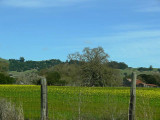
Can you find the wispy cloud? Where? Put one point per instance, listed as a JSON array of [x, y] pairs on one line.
[[39, 3]]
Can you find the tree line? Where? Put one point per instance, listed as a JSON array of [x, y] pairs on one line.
[[22, 65], [90, 68]]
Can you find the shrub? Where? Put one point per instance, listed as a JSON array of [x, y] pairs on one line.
[[150, 79], [4, 79], [53, 78], [28, 78]]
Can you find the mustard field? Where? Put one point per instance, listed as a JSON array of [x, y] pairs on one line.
[[85, 103]]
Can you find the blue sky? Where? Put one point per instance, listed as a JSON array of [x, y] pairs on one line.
[[128, 30]]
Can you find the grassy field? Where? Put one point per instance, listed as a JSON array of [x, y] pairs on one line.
[[72, 103]]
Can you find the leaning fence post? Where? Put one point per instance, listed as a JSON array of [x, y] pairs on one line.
[[132, 106], [44, 103]]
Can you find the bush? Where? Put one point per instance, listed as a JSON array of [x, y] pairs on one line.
[[4, 79], [8, 111], [117, 65], [28, 78], [150, 79], [53, 78]]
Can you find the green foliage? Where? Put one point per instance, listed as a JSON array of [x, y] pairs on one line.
[[53, 78], [127, 72], [112, 77], [70, 73], [93, 67], [4, 79], [22, 65], [117, 65], [21, 59], [150, 68], [4, 66], [150, 79], [73, 62], [141, 69]]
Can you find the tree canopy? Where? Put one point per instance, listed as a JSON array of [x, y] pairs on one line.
[[150, 79], [117, 65], [94, 70], [22, 65]]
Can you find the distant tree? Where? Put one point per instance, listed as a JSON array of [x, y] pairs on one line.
[[22, 65], [141, 69], [117, 65], [93, 64], [21, 59], [74, 62], [93, 61], [158, 70], [150, 68], [113, 64], [122, 65]]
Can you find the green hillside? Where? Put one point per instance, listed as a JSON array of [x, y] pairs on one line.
[[4, 60], [129, 71]]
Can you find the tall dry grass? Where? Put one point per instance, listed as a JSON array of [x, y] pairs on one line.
[[8, 111]]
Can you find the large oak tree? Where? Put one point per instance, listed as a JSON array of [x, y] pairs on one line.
[[94, 70]]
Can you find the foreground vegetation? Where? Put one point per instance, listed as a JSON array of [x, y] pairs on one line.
[[94, 103]]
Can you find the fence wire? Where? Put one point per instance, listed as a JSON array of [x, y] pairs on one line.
[[83, 103]]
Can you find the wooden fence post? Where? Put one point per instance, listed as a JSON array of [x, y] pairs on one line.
[[132, 106], [44, 102]]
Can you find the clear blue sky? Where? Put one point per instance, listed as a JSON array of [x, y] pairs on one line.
[[128, 30]]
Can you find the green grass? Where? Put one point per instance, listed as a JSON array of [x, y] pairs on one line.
[[65, 103]]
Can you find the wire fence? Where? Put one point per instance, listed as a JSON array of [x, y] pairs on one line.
[[83, 103]]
